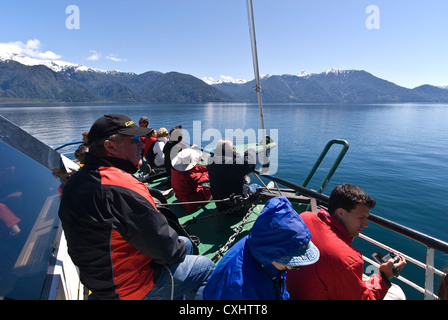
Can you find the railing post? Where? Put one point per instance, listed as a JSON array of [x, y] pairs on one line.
[[429, 278]]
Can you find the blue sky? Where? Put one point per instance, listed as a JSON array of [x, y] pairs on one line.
[[210, 38]]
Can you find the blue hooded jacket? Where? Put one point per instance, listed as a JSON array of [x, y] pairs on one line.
[[246, 271]]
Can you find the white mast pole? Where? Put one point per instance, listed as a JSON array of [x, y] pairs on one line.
[[257, 75]]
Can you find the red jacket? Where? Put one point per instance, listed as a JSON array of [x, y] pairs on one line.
[[338, 273], [148, 141], [187, 185]]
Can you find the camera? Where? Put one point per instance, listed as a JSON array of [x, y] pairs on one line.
[[380, 259]]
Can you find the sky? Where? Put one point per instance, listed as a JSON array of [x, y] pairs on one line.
[[405, 42]]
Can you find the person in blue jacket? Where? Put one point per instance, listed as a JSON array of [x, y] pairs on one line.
[[255, 267]]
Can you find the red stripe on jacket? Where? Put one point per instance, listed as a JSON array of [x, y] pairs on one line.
[[132, 273]]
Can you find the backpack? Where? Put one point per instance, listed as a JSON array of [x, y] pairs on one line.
[[150, 155]]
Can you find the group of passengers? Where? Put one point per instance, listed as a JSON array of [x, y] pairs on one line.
[[125, 248], [194, 183]]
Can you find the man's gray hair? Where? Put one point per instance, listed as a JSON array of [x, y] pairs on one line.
[[224, 147], [97, 149]]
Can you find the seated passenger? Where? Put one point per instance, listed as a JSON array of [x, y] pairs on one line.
[[9, 219], [173, 147], [155, 155], [188, 177], [122, 245], [338, 275], [82, 149], [227, 170], [442, 293], [148, 139], [80, 154], [255, 267]]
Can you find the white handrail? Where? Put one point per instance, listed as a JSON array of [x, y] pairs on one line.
[[428, 290]]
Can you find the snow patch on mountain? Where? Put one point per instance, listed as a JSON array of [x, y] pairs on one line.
[[223, 79], [55, 65]]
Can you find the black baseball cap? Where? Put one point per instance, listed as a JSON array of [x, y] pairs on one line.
[[110, 124]]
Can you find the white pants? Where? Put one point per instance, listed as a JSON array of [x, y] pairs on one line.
[[395, 293]]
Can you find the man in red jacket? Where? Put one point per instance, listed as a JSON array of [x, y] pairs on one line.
[[338, 275]]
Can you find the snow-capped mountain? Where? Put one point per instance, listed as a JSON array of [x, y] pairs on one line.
[[337, 71], [26, 78], [332, 86], [58, 80], [55, 65], [223, 79]]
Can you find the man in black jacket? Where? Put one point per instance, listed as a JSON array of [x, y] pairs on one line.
[[122, 245], [227, 171]]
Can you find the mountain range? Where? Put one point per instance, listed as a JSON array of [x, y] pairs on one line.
[[333, 86], [23, 78], [27, 79]]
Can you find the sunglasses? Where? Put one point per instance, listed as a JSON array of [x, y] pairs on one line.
[[135, 139]]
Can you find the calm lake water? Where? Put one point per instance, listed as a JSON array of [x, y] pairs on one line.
[[398, 152]]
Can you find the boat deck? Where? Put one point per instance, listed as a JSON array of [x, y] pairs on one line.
[[211, 227]]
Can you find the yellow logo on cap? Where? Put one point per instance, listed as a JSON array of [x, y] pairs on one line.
[[129, 123]]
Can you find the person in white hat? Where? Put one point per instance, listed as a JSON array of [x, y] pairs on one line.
[[188, 177]]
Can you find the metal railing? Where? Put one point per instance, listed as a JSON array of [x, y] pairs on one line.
[[68, 144], [333, 168], [432, 244], [431, 271]]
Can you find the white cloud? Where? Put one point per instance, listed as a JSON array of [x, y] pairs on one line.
[[32, 44], [208, 80], [32, 48], [94, 56], [113, 57], [48, 55]]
